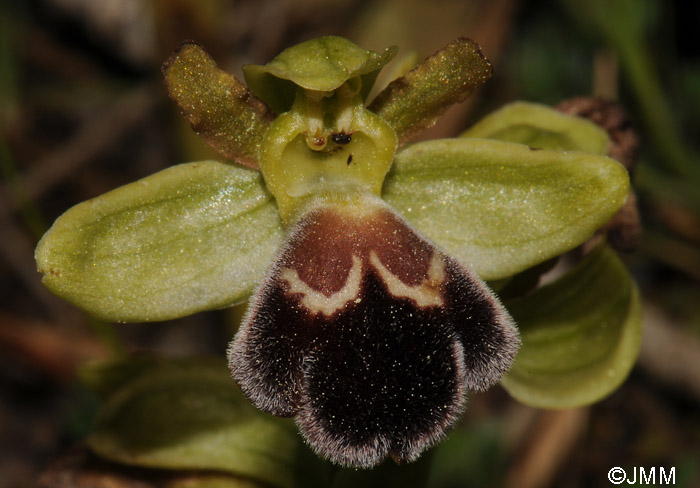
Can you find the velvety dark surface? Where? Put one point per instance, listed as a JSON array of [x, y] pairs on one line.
[[381, 375]]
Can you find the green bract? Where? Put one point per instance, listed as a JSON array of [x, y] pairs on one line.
[[189, 415], [540, 126], [581, 335]]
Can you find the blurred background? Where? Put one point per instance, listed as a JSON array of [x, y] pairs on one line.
[[83, 110]]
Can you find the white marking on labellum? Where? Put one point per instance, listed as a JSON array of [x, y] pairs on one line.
[[315, 301], [425, 294]]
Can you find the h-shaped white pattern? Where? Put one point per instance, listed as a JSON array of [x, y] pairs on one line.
[[314, 300], [425, 294]]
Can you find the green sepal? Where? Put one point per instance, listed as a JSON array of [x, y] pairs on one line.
[[188, 414], [540, 126], [193, 237], [218, 106], [414, 101], [322, 64], [580, 335], [501, 207]]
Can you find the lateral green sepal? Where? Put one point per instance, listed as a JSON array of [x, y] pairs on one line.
[[193, 237], [502, 207]]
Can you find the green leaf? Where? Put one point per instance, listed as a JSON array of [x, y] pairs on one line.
[[626, 28], [540, 126], [501, 207], [414, 101], [473, 451], [322, 64], [209, 480], [104, 378], [218, 106], [193, 237], [387, 475], [580, 335], [190, 415]]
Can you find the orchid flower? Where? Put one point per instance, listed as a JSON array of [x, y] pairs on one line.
[[365, 255]]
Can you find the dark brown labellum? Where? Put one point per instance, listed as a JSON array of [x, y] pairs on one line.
[[370, 336]]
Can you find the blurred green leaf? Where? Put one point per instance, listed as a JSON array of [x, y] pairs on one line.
[[580, 335], [214, 481], [11, 36], [387, 475], [321, 64], [625, 21], [501, 207], [414, 101], [540, 126], [192, 237], [218, 106], [625, 27], [105, 378], [190, 415], [471, 452], [549, 62]]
